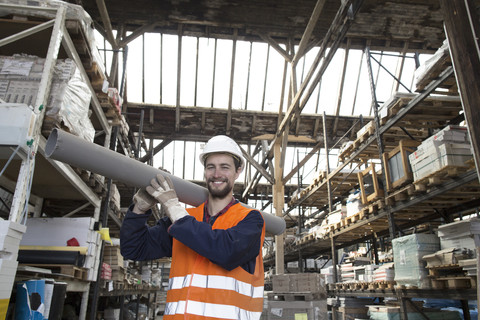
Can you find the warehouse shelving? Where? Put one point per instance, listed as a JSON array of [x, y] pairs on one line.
[[411, 115], [374, 217], [46, 33], [70, 191]]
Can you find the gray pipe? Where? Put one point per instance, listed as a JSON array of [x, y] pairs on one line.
[[68, 148]]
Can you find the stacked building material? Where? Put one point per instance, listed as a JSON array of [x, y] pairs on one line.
[[385, 272], [297, 295], [408, 253], [459, 234], [68, 100], [352, 308], [70, 241], [112, 256], [449, 148]]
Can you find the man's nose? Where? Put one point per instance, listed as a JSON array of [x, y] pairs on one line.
[[216, 172]]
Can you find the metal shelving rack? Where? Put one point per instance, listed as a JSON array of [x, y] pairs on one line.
[[59, 39], [351, 234]]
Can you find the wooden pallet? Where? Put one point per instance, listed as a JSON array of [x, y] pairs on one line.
[[445, 270], [401, 194], [64, 270], [382, 285], [50, 123], [111, 110], [362, 285], [294, 296], [305, 239], [438, 177], [454, 283], [93, 180], [434, 71]]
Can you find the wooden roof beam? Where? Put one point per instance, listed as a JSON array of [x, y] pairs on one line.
[[288, 57], [107, 25], [179, 80], [232, 77], [156, 150], [308, 31], [302, 162], [257, 166], [135, 34], [337, 31], [341, 85]]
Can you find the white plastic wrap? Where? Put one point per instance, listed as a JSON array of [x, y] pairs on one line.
[[408, 252], [69, 100], [423, 70]]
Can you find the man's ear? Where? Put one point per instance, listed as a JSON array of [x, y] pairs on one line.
[[237, 172]]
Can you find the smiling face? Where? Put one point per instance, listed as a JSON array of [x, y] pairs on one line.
[[220, 175]]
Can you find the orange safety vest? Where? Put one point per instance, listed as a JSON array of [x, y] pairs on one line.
[[200, 289]]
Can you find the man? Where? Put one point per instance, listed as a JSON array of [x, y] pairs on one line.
[[216, 248]]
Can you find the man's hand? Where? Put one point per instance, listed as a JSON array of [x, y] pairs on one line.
[[143, 201], [162, 190]]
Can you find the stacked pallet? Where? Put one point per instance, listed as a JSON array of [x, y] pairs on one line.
[[93, 180], [346, 308], [449, 149], [432, 68], [112, 256], [408, 253], [297, 295]]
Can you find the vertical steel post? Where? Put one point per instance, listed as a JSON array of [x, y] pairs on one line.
[[391, 222]]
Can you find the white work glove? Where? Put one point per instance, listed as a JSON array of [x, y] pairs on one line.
[[162, 190], [143, 201]]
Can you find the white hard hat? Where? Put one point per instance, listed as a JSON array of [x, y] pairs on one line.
[[222, 144]]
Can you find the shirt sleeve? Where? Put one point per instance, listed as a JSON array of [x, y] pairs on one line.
[[140, 242], [229, 248]]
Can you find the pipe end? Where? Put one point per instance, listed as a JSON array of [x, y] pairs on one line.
[[51, 143]]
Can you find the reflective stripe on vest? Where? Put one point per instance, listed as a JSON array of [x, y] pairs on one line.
[[216, 282], [210, 310]]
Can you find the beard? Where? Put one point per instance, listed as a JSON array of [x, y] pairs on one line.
[[221, 193]]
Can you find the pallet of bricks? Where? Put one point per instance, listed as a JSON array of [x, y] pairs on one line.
[[113, 258], [297, 296]]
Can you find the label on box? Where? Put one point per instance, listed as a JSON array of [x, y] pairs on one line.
[[16, 67]]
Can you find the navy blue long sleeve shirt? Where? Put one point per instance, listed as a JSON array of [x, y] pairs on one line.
[[229, 248]]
